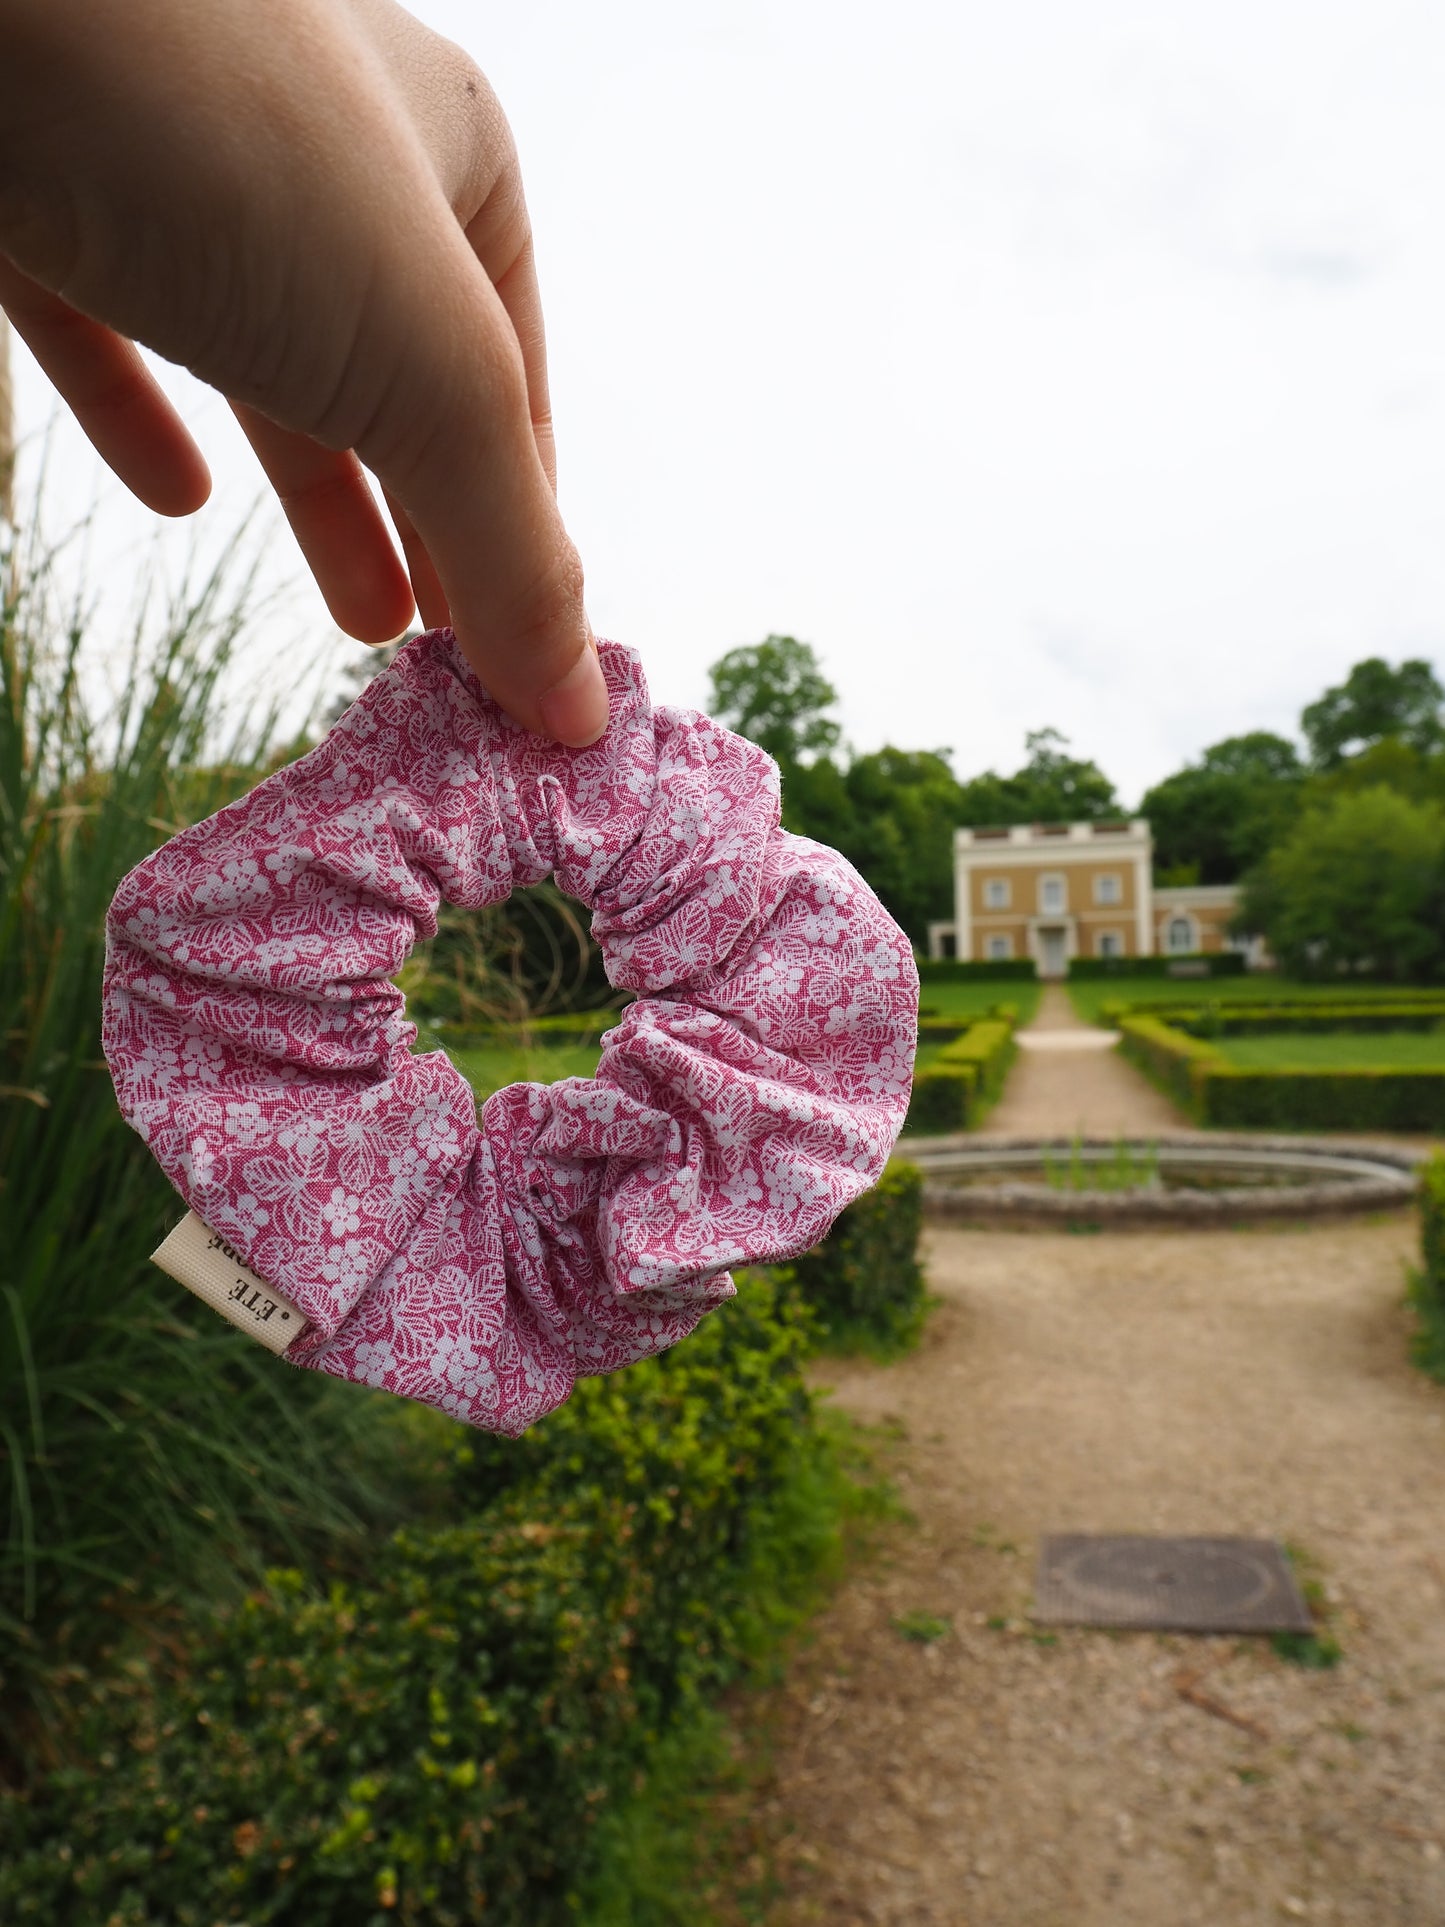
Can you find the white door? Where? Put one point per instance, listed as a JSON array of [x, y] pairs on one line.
[[1052, 960]]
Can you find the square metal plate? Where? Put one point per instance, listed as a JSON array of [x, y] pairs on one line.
[[1163, 1584]]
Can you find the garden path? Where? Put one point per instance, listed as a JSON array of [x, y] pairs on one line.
[[1253, 1382], [1068, 1079], [1186, 1381]]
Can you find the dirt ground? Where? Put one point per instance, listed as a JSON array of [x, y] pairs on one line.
[[1218, 1382], [1067, 1078]]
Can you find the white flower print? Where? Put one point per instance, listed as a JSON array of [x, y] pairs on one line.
[[260, 1047]]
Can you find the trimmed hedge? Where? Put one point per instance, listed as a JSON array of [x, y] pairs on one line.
[[958, 970], [1246, 1020], [942, 1100], [1333, 1100], [1216, 963], [865, 1284], [433, 1743], [968, 1076], [1172, 1058], [1427, 1285], [1213, 1091]]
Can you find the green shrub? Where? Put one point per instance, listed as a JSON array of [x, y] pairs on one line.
[[865, 1285], [1427, 1285], [1171, 1058], [988, 1045], [1331, 1100], [1210, 963], [1192, 1072], [958, 970], [1245, 1020], [941, 1100], [147, 1450], [435, 1744], [955, 1092]]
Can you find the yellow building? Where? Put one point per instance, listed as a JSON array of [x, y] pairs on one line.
[[1052, 891]]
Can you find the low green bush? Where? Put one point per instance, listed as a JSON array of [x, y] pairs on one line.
[[990, 1047], [865, 1285], [958, 970], [1329, 1100], [1202, 963], [435, 1744], [941, 1100], [1247, 1020], [1193, 1072], [955, 1091], [1173, 1059], [1427, 1285]]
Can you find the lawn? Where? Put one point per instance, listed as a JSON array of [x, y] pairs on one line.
[[1259, 987], [488, 1069], [977, 996], [1336, 1050]]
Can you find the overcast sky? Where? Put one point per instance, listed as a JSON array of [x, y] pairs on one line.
[[1043, 364]]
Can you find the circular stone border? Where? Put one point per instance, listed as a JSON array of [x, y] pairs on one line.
[[1351, 1177]]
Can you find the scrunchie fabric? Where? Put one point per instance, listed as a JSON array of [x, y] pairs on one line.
[[753, 1088]]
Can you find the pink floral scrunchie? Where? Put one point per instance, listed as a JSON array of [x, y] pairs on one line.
[[754, 1087]]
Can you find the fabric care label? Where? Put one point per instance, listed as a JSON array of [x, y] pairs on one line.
[[202, 1261]]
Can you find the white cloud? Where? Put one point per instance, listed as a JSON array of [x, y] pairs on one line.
[[1037, 363]]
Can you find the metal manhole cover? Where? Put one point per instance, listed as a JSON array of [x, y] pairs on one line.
[[1163, 1584]]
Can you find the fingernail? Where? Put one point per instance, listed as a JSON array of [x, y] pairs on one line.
[[575, 710]]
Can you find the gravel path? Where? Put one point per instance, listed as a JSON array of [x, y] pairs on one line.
[[1233, 1382], [1068, 1078]]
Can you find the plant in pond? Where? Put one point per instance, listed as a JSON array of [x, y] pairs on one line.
[[1128, 1167]]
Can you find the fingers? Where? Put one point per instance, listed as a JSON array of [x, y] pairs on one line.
[[501, 238], [112, 394], [338, 527], [431, 601], [457, 453]]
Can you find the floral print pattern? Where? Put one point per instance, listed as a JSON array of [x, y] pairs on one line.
[[752, 1089]]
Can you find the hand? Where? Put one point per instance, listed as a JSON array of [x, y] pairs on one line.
[[315, 206]]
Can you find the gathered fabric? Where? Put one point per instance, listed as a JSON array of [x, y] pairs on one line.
[[753, 1087]]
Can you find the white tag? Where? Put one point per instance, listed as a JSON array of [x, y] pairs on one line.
[[202, 1261]]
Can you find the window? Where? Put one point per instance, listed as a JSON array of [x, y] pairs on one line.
[[1108, 888], [996, 894], [1179, 935], [998, 948], [1109, 944], [1053, 898]]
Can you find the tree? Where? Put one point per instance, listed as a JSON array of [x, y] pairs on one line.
[[906, 806], [1052, 787], [1375, 701], [1355, 886], [774, 693], [1216, 818]]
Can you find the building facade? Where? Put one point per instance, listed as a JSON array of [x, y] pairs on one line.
[[1052, 891]]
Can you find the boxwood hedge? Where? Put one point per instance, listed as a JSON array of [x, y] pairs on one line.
[[434, 1741], [1214, 1091], [864, 1285], [967, 1076], [1427, 1286]]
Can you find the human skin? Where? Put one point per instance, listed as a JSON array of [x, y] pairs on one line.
[[316, 207]]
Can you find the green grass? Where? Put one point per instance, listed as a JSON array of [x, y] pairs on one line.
[[1335, 1050], [487, 1068], [491, 1067], [1259, 987], [978, 996]]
